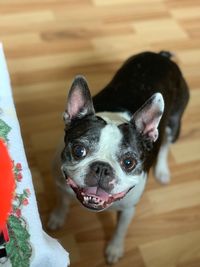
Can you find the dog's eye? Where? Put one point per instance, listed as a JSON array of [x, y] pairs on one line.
[[79, 151], [128, 163]]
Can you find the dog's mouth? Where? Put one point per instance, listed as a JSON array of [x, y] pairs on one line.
[[95, 198]]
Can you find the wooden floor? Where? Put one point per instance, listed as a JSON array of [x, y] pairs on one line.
[[46, 43]]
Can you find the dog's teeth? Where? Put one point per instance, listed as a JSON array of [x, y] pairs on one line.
[[85, 199]]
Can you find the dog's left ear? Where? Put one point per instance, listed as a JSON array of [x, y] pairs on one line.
[[79, 102], [147, 118]]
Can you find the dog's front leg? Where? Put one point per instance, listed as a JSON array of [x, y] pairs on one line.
[[58, 215], [115, 248]]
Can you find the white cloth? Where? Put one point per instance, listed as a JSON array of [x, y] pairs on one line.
[[47, 252]]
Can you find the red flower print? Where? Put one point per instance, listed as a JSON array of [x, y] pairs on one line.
[[18, 212], [19, 166], [25, 201], [19, 177]]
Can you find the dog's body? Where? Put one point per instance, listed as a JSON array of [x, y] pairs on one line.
[[106, 155]]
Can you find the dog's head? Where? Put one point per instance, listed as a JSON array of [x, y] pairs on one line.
[[104, 159]]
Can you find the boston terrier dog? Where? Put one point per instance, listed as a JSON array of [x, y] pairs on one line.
[[112, 140]]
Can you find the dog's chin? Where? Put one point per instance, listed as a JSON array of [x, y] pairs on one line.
[[94, 198]]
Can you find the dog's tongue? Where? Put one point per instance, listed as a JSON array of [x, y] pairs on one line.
[[96, 191]]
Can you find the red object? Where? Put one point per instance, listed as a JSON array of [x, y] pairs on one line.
[[5, 234], [7, 185]]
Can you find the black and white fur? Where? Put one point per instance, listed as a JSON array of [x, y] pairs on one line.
[[112, 141]]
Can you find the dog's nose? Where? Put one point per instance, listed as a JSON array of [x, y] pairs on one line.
[[101, 174], [101, 169]]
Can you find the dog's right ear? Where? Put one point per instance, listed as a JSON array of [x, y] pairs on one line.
[[79, 102]]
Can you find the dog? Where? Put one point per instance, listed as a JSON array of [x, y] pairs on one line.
[[112, 140]]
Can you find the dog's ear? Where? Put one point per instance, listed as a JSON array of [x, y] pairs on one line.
[[79, 102], [147, 118]]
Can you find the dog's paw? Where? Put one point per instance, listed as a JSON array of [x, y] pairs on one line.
[[162, 174], [114, 252], [56, 220]]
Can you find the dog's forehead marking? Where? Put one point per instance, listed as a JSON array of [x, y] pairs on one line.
[[111, 136], [110, 139]]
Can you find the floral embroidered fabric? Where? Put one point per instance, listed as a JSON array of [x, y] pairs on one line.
[[18, 248]]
